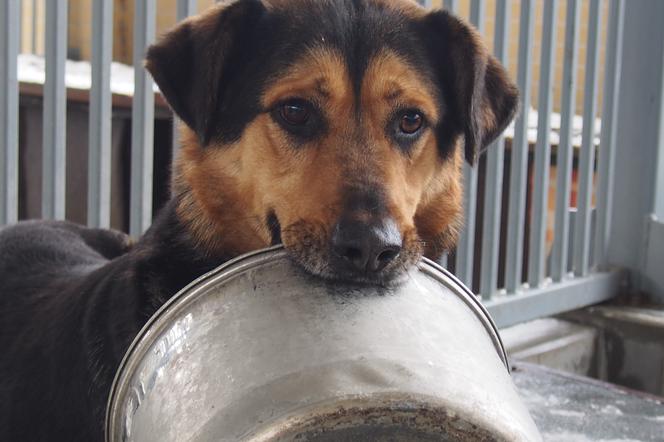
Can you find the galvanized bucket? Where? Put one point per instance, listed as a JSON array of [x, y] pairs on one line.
[[257, 350]]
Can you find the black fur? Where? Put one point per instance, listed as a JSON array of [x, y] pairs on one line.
[[219, 101], [247, 46], [476, 85], [71, 301], [72, 298]]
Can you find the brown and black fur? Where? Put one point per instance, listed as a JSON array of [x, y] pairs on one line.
[[72, 298]]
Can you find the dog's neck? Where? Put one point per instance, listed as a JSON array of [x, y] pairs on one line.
[[171, 257]]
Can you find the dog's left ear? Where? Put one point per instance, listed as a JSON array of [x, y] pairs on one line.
[[194, 63], [483, 98]]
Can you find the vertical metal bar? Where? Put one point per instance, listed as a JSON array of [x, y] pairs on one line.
[[519, 154], [493, 189], [185, 8], [587, 159], [465, 252], [608, 138], [33, 31], [452, 5], [540, 198], [54, 152], [657, 198], [142, 117], [639, 128], [565, 152], [99, 155], [9, 20]]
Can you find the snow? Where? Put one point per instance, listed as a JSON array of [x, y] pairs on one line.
[[31, 69]]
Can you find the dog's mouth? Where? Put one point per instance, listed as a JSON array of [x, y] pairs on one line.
[[308, 245], [274, 227]]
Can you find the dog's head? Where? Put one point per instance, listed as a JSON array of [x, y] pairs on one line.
[[336, 126]]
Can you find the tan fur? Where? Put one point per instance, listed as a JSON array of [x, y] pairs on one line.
[[425, 191], [229, 190]]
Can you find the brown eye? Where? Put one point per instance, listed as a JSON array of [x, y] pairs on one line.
[[295, 112], [411, 122]]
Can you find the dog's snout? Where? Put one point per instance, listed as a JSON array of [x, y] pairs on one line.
[[365, 247]]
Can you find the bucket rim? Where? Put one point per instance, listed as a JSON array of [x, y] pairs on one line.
[[243, 263]]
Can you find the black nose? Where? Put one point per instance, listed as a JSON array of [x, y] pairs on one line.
[[365, 247]]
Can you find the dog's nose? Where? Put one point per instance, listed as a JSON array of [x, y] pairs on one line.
[[366, 247]]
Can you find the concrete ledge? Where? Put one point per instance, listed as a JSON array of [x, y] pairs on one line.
[[553, 343]]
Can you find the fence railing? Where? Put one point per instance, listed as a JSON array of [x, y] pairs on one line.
[[521, 275], [523, 260]]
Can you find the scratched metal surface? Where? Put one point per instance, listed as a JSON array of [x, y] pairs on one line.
[[260, 351]]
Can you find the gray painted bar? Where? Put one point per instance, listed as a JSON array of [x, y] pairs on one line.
[[519, 154], [185, 8], [607, 147], [451, 5], [493, 188], [9, 28], [443, 261], [99, 156], [540, 195], [54, 148], [565, 152], [582, 232], [142, 137], [34, 27], [555, 298], [465, 251]]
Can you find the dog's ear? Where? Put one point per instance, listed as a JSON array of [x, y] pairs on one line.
[[191, 63], [483, 98]]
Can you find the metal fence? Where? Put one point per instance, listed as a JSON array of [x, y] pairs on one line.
[[516, 274]]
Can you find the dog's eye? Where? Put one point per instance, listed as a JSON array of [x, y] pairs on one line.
[[295, 112], [301, 119], [411, 121]]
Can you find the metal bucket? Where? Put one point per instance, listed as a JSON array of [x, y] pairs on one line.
[[258, 350]]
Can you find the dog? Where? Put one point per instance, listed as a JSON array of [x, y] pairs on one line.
[[336, 127]]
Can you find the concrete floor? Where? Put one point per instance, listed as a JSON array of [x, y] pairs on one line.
[[570, 408]]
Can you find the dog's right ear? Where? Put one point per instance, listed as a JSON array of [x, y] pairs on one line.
[[190, 62], [484, 98]]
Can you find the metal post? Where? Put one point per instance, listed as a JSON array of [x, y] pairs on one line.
[[452, 6], [540, 198], [142, 118], [565, 153], [99, 155], [607, 147], [658, 192], [582, 233], [493, 189], [33, 33], [519, 154], [54, 153], [9, 29], [185, 8], [636, 235], [465, 251]]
